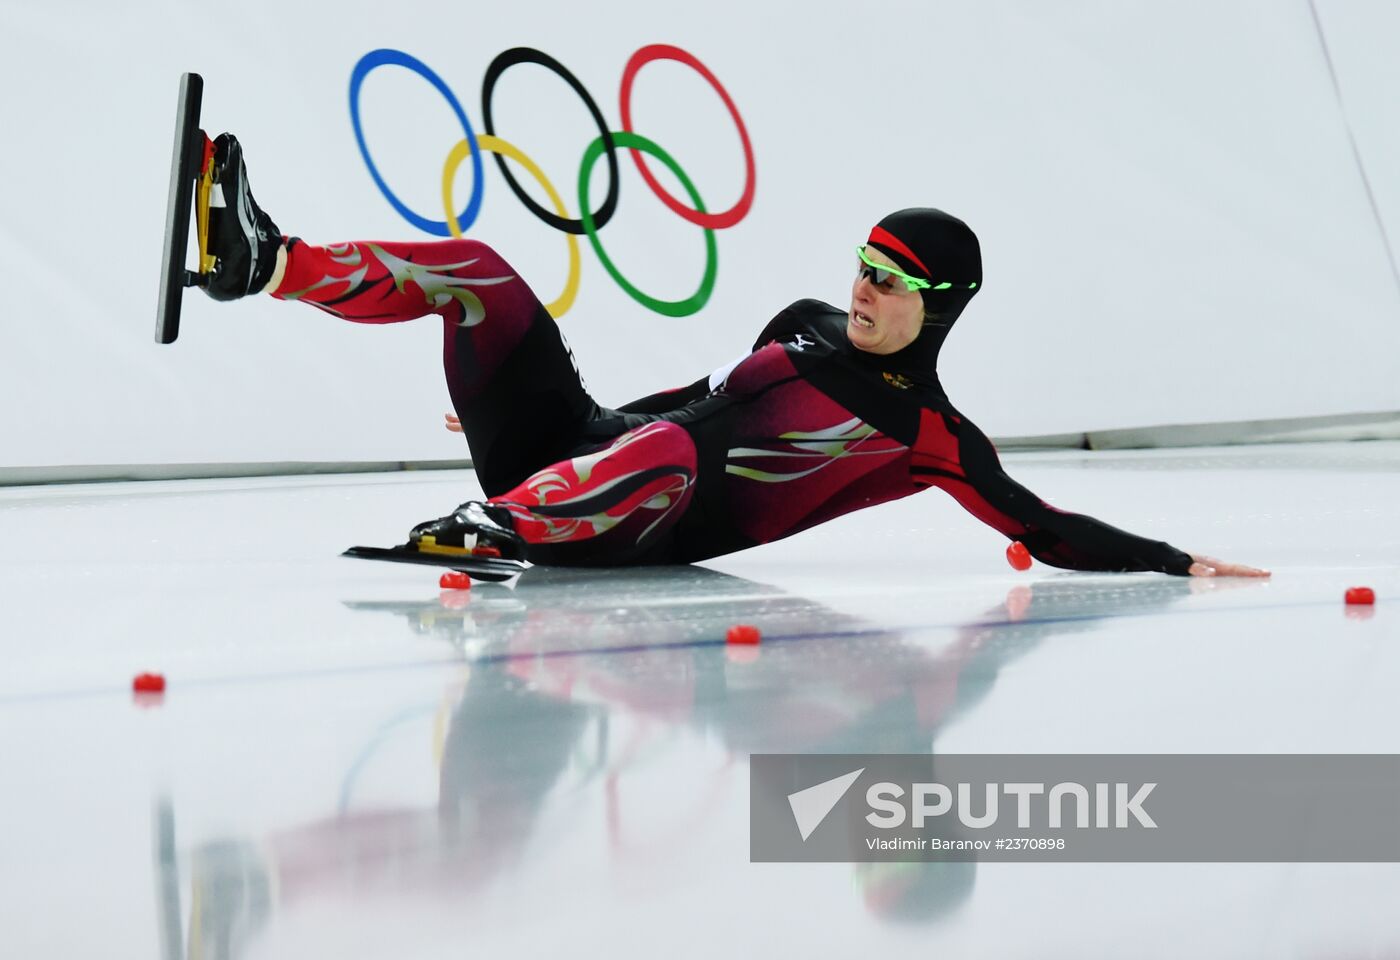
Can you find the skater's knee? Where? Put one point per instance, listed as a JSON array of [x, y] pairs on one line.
[[664, 442]]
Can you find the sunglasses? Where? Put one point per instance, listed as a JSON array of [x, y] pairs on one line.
[[883, 276]]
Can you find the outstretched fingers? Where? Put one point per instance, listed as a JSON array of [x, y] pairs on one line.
[[1210, 567]]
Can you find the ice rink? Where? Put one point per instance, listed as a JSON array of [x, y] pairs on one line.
[[351, 763]]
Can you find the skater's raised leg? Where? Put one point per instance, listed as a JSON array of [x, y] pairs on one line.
[[510, 375]]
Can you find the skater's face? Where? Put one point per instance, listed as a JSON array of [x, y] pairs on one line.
[[883, 319]]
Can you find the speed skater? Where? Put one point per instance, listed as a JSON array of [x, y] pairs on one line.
[[829, 411]]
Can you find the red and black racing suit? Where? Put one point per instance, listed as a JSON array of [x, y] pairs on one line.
[[804, 428]]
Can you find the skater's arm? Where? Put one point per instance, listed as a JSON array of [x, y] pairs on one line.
[[786, 323], [663, 402], [668, 400], [955, 455]]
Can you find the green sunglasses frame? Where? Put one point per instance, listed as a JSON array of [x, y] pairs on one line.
[[910, 283]]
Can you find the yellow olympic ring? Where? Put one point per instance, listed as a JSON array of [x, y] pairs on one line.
[[493, 144]]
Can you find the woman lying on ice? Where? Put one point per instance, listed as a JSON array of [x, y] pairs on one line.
[[831, 410]]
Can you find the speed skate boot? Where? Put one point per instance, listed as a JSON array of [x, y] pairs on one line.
[[242, 238], [481, 529]]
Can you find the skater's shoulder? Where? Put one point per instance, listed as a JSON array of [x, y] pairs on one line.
[[802, 316]]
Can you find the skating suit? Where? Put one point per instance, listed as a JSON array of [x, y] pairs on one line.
[[802, 429]]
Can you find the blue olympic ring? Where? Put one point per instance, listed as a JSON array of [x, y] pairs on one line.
[[387, 57]]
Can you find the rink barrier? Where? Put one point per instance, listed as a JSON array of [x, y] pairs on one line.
[[122, 472], [1335, 428], [1324, 429]]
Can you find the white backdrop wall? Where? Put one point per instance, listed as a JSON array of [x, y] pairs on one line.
[[1368, 77], [1173, 221]]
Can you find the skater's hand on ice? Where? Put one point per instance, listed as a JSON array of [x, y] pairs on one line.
[[1211, 567], [453, 423]]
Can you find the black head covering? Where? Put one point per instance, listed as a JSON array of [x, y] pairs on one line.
[[940, 248]]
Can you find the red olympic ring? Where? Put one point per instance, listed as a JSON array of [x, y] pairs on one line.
[[712, 221]]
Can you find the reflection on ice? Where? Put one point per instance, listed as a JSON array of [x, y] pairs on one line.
[[576, 676]]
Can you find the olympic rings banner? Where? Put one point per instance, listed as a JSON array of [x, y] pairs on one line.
[[589, 222]]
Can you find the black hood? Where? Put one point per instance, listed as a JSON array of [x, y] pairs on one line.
[[940, 248]]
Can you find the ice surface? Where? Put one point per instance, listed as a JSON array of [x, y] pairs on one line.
[[350, 763]]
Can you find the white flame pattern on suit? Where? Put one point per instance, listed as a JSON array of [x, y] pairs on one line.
[[811, 451], [435, 280], [437, 283], [550, 481], [349, 255]]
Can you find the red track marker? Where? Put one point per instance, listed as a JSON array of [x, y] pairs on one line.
[[148, 683], [1018, 556], [743, 633]]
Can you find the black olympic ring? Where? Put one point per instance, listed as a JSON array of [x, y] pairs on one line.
[[498, 66]]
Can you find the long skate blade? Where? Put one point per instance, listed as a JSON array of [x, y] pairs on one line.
[[185, 162], [478, 568]]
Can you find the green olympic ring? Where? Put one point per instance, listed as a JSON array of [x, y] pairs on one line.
[[668, 308]]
